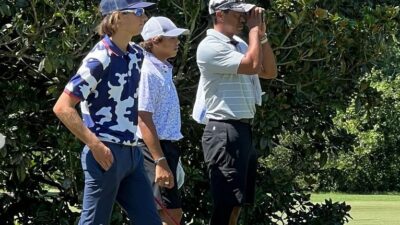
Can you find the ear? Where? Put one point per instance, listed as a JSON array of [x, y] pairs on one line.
[[219, 16], [116, 17], [155, 41]]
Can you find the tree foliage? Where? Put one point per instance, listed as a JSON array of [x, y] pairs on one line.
[[325, 50], [373, 164]]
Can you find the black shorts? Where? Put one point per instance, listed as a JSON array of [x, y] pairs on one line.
[[169, 197], [231, 162]]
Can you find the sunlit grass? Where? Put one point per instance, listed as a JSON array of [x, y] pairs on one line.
[[367, 209]]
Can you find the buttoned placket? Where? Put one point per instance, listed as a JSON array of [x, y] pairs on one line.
[[165, 69]]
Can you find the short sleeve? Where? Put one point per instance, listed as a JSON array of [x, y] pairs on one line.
[[218, 59], [148, 92], [86, 79]]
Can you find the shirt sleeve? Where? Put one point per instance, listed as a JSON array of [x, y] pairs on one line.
[[218, 58], [86, 79], [148, 92]]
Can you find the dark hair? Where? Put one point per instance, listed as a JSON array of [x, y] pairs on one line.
[[149, 44], [214, 16], [109, 24]]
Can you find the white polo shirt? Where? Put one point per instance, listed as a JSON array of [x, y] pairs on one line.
[[158, 95], [227, 94]]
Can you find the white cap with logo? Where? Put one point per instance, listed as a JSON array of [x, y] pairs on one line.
[[161, 26], [234, 5]]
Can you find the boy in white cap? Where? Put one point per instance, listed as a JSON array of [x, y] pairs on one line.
[[228, 92], [106, 86], [159, 115]]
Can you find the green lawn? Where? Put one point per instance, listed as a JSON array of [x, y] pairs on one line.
[[367, 209]]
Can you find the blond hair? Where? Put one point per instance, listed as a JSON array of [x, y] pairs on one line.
[[109, 24], [149, 44]]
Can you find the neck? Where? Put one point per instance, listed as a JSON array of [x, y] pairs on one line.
[[121, 40], [159, 55]]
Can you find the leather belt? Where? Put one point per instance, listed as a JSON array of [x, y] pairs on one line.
[[247, 120], [244, 120]]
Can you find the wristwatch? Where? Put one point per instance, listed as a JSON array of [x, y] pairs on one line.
[[264, 39]]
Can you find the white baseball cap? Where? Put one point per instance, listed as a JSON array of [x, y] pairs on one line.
[[234, 5], [161, 26]]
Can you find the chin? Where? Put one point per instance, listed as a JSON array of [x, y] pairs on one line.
[[137, 32]]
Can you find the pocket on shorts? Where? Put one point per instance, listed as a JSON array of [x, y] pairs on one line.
[[214, 142]]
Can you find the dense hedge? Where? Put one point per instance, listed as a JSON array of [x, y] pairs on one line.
[[325, 50]]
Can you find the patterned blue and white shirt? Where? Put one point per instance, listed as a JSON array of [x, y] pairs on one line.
[[107, 84], [157, 94]]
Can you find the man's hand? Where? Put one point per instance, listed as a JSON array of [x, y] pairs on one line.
[[263, 25], [255, 19], [102, 154], [164, 176]]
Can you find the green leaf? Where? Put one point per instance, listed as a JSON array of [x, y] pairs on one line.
[[263, 142], [298, 87], [22, 3], [70, 63], [21, 172], [321, 13], [364, 85], [41, 65], [48, 66], [294, 17], [323, 159], [5, 10]]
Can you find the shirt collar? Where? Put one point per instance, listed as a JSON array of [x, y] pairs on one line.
[[220, 36], [155, 61], [113, 48]]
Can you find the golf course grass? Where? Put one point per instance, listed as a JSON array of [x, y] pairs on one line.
[[367, 209]]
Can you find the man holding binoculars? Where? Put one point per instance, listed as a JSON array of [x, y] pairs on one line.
[[228, 91]]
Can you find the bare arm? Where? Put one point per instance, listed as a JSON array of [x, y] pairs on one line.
[[268, 61], [259, 58], [164, 175], [66, 112], [268, 68]]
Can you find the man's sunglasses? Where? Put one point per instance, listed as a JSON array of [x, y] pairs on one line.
[[138, 12]]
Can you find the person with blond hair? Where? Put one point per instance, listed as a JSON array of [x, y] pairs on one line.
[[106, 86], [159, 115]]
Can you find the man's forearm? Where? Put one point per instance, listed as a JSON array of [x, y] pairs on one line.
[[254, 48], [269, 69], [251, 63], [150, 137], [71, 119]]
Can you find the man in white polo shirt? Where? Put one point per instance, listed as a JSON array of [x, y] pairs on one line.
[[229, 89]]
